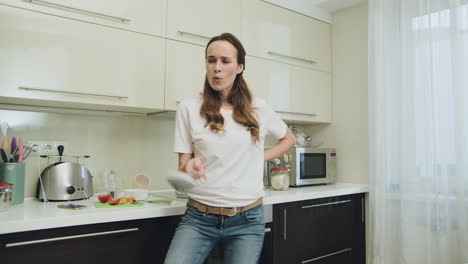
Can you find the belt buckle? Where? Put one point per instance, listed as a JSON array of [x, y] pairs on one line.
[[234, 208]]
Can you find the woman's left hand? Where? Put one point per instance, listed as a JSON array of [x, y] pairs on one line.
[[281, 146]]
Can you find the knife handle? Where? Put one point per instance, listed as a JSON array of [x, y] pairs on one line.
[[20, 149]]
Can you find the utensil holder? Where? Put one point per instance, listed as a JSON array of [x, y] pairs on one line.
[[14, 174]]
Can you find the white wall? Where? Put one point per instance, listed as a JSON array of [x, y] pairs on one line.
[[133, 145], [129, 145], [349, 129]]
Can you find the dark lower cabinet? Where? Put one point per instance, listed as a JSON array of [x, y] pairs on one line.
[[326, 231], [136, 241], [320, 231]]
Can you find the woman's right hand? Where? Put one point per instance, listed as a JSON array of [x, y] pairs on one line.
[[191, 165]]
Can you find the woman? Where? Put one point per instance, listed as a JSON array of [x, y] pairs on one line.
[[220, 136]]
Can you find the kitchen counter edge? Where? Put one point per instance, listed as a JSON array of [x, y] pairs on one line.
[[34, 215]]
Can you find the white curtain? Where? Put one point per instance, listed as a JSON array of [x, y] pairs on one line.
[[418, 113]]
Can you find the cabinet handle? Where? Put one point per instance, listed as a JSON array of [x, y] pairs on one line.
[[193, 35], [290, 57], [324, 204], [17, 244], [296, 113], [267, 230], [362, 210], [326, 256], [69, 92], [77, 10], [284, 224]]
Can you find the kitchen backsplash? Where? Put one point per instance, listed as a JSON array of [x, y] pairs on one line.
[[129, 145]]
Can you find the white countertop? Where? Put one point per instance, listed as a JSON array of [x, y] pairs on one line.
[[35, 215]]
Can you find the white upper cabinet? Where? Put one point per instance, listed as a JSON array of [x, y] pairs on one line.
[[275, 33], [196, 21], [145, 16], [51, 61], [185, 72], [297, 93]]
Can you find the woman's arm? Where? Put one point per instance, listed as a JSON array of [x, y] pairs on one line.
[[281, 146]]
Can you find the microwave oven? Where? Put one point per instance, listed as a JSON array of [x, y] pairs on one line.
[[310, 166]]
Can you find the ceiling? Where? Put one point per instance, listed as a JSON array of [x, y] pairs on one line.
[[336, 5], [319, 9]]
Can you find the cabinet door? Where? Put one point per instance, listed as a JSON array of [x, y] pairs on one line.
[[51, 61], [197, 21], [146, 16], [297, 93], [185, 72], [275, 33], [286, 241], [327, 230]]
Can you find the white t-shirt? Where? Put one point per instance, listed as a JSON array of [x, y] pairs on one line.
[[233, 163]]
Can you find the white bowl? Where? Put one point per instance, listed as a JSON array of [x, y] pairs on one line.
[[138, 194]]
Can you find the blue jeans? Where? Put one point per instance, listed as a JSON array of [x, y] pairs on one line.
[[199, 232]]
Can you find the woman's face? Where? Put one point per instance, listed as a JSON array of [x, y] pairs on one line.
[[222, 66]]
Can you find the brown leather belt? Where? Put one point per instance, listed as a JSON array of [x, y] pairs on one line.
[[228, 211]]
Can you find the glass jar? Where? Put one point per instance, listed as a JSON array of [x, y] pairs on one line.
[[279, 178]]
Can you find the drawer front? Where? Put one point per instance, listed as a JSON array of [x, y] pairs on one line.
[[325, 230], [115, 242]]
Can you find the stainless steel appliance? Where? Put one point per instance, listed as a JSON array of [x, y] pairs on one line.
[[312, 166], [63, 181]]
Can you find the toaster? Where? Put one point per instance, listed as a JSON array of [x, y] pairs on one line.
[[64, 181]]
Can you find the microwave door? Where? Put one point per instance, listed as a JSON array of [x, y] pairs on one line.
[[312, 168]]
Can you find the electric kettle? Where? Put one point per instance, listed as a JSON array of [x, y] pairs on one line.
[[65, 181]]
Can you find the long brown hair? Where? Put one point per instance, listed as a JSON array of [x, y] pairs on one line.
[[239, 97]]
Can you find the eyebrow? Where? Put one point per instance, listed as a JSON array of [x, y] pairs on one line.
[[222, 57]]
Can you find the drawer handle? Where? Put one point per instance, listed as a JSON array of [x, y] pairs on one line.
[[77, 10], [69, 92], [362, 210], [296, 113], [326, 256], [324, 204], [290, 57], [17, 244], [193, 35], [284, 225]]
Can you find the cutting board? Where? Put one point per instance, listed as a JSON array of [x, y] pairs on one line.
[[106, 205]]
